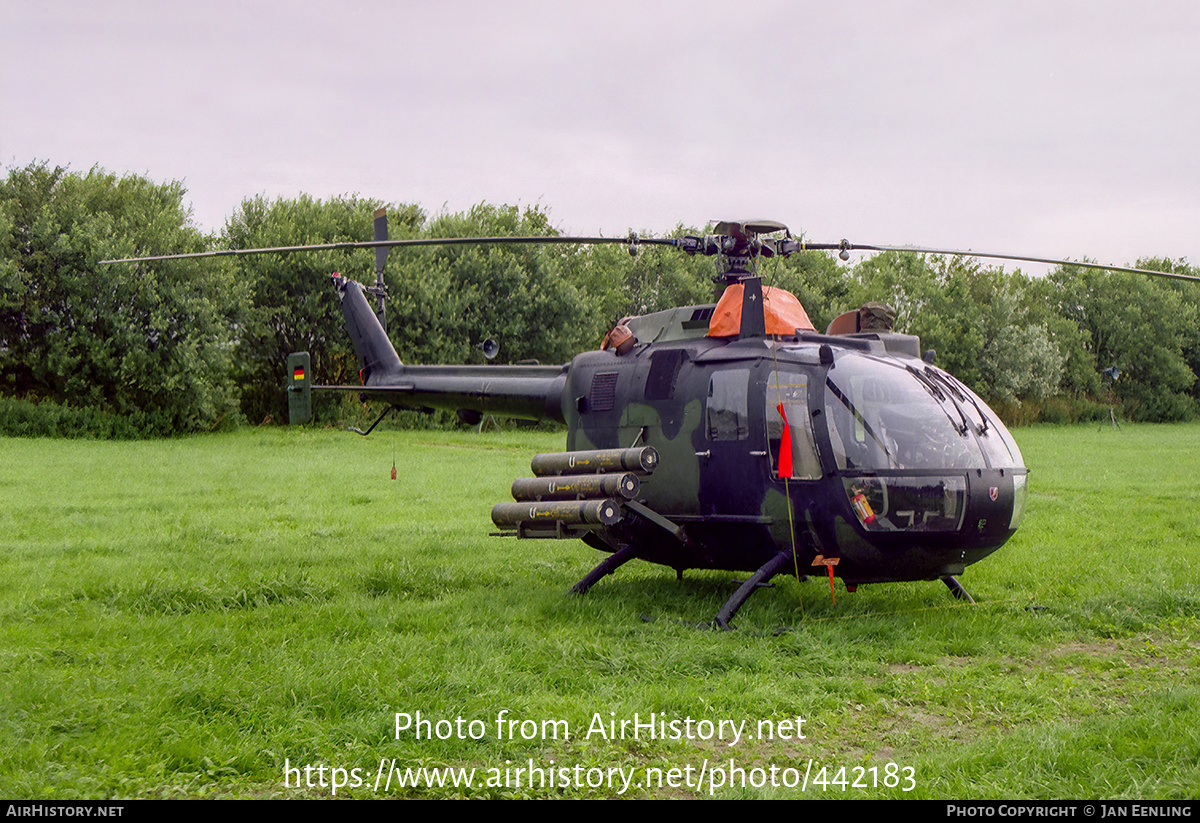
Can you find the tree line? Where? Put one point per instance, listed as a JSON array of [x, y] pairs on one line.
[[162, 348]]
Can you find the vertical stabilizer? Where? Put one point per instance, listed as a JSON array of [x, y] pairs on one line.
[[376, 355]]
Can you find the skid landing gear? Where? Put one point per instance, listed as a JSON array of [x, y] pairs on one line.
[[957, 589], [772, 567]]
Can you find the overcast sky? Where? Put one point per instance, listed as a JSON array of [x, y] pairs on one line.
[[1059, 129]]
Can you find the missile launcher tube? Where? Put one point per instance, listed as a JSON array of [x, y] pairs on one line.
[[570, 487], [569, 512], [642, 459]]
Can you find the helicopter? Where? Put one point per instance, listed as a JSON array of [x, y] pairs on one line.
[[732, 436]]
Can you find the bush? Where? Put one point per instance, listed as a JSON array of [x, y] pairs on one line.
[[148, 344]]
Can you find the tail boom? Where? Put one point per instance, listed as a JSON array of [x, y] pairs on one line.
[[527, 392]]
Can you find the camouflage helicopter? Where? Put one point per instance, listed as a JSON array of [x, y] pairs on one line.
[[733, 436]]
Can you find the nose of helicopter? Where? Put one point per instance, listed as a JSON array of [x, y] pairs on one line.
[[932, 479]]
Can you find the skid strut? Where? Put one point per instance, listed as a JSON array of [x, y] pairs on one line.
[[772, 567], [957, 589], [610, 564]]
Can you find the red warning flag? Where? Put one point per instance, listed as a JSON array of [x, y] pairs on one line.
[[785, 446]]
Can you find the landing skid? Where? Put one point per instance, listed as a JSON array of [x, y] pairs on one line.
[[758, 580]]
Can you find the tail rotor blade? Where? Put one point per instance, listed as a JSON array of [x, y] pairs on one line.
[[381, 234], [381, 255]]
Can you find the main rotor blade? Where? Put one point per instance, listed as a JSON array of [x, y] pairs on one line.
[[427, 241], [690, 244], [1019, 258]]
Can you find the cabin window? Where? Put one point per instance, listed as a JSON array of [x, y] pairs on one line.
[[664, 371], [791, 389], [727, 405]]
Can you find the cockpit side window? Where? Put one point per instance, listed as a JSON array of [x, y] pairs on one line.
[[728, 417]]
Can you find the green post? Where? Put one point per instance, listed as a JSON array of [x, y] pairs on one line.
[[299, 389]]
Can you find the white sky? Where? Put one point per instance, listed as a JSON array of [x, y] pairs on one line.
[[1057, 129]]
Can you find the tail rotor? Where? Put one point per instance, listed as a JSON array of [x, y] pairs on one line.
[[381, 255]]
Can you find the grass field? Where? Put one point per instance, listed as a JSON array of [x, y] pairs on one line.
[[245, 615]]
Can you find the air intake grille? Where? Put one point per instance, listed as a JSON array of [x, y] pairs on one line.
[[603, 396]]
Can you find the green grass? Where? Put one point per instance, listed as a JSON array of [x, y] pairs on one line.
[[182, 618]]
